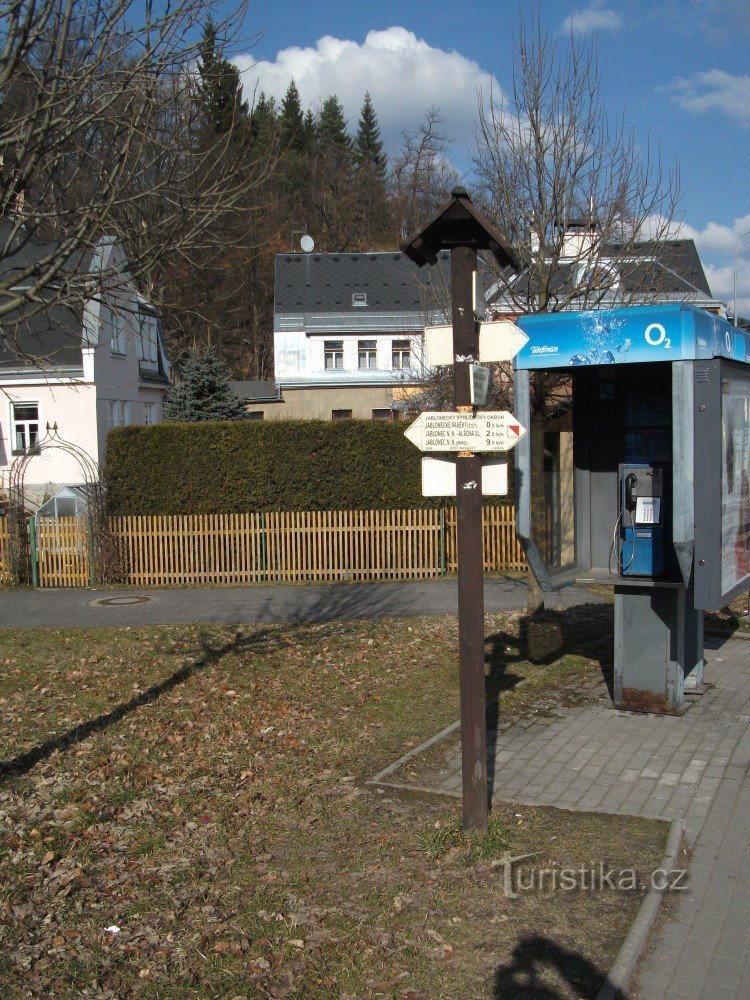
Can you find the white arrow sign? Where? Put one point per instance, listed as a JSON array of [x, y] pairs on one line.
[[498, 341], [487, 431], [439, 476]]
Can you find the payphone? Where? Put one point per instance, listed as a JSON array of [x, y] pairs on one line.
[[642, 542], [660, 469]]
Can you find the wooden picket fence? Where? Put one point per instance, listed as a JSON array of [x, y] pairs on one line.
[[4, 552], [62, 552], [274, 546]]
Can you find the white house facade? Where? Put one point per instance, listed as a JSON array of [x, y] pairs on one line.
[[88, 370], [348, 332]]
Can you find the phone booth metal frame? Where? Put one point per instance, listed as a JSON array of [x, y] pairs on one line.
[[652, 386]]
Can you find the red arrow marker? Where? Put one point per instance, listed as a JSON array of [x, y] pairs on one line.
[[515, 428]]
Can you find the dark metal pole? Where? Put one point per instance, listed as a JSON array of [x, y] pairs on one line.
[[470, 555]]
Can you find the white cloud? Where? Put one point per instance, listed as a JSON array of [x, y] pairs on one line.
[[403, 74], [595, 17], [714, 90], [717, 244], [721, 282], [718, 238]]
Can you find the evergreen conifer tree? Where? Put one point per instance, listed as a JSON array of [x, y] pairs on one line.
[[220, 91], [263, 122], [291, 119], [368, 146], [332, 134], [203, 393]]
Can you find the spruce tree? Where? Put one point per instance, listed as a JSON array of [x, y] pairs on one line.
[[263, 123], [203, 393], [332, 134], [220, 92], [368, 146], [291, 119]]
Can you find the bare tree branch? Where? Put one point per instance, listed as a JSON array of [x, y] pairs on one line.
[[102, 136]]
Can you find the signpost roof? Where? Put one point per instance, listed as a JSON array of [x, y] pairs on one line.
[[459, 224]]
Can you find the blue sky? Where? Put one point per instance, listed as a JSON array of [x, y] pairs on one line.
[[676, 69]]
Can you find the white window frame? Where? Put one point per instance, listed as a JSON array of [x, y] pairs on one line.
[[118, 413], [333, 351], [149, 414], [398, 352], [117, 343], [26, 425], [148, 333], [367, 354]]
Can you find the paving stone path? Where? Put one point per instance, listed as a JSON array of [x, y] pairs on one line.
[[694, 768]]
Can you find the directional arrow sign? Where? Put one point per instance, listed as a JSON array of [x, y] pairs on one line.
[[438, 345], [487, 431], [500, 341]]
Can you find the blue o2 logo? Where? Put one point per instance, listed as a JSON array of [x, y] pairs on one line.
[[656, 336]]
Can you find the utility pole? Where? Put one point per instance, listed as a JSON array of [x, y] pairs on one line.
[[461, 229]]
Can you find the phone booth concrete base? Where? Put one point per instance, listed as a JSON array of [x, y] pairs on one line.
[[658, 647], [661, 479]]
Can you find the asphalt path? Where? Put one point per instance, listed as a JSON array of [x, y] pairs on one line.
[[90, 607]]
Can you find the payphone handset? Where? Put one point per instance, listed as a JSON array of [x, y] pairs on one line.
[[641, 545], [643, 496]]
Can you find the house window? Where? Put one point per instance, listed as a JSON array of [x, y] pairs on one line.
[[401, 354], [149, 413], [118, 413], [254, 414], [148, 337], [25, 431], [334, 354], [382, 414], [341, 414], [117, 343], [359, 299], [367, 354]]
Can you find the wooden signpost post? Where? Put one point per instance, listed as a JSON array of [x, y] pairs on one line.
[[458, 227]]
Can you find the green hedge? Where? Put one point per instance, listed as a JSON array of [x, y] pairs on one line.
[[238, 465]]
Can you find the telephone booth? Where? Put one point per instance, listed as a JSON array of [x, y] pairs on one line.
[[661, 478]]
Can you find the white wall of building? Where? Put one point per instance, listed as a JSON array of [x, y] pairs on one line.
[[111, 389], [299, 358], [72, 407]]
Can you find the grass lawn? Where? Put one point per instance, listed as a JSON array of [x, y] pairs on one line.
[[202, 790]]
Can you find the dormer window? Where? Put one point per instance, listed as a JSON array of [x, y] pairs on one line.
[[596, 276], [117, 340], [359, 299]]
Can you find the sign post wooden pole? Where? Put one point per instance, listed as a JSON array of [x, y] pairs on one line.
[[470, 554], [459, 228]]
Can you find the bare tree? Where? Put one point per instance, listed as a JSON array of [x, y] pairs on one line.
[[102, 136], [422, 176], [577, 195], [573, 191]]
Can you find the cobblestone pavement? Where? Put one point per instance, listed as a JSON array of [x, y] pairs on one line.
[[694, 767]]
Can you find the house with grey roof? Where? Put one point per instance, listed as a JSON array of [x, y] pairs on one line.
[[348, 327], [348, 331], [90, 360], [592, 274]]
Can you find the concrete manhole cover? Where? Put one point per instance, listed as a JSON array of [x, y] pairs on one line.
[[119, 602]]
